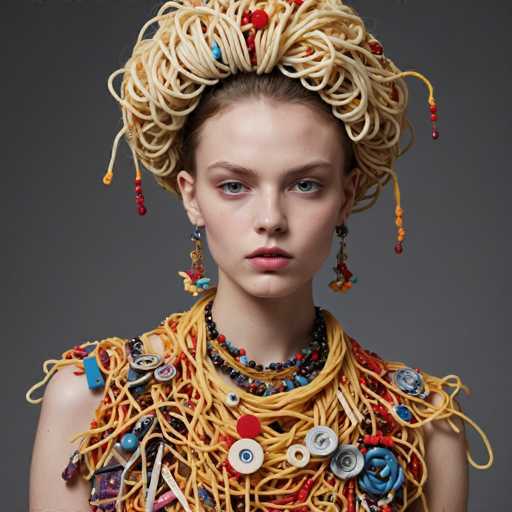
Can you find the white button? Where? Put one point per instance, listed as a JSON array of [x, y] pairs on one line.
[[165, 372], [232, 399], [321, 440], [246, 456], [347, 461], [298, 455], [146, 362]]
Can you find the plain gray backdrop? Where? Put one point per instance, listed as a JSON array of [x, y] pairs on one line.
[[80, 263]]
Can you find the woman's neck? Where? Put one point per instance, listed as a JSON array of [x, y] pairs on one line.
[[270, 330]]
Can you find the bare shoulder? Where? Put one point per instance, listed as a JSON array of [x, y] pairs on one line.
[[69, 392], [447, 484], [68, 408]]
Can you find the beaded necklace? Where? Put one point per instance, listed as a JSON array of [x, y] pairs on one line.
[[275, 377]]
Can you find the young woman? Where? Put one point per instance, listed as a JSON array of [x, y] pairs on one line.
[[272, 122]]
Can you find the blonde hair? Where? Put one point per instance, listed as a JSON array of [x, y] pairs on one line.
[[322, 43]]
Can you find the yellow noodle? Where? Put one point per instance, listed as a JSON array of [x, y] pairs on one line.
[[201, 448]]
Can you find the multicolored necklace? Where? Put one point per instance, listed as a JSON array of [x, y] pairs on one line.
[[274, 377]]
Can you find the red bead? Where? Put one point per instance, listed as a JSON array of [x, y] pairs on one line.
[[399, 248], [433, 117], [299, 356], [245, 20], [221, 338], [248, 425], [314, 356], [259, 18], [242, 351], [435, 134], [138, 189], [142, 210], [376, 47], [433, 108], [139, 200], [138, 181]]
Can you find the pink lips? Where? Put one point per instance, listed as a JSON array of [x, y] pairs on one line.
[[269, 263]]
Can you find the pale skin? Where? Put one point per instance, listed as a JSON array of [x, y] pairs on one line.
[[274, 309]]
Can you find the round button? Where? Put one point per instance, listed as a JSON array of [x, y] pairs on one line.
[[403, 412], [248, 425], [347, 461], [409, 381], [129, 442], [321, 440], [246, 456], [146, 362], [297, 455], [165, 372], [232, 399]]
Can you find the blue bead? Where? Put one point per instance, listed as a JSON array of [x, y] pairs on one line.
[[289, 384], [216, 51], [203, 282], [403, 412], [244, 360], [302, 380], [129, 442]]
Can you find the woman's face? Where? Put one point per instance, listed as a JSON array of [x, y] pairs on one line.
[[268, 205]]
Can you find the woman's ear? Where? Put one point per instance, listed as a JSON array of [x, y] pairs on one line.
[[187, 186], [350, 185]]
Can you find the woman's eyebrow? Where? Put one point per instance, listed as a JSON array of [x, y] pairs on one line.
[[239, 169]]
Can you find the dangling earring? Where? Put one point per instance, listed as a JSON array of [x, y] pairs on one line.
[[194, 281], [344, 278]]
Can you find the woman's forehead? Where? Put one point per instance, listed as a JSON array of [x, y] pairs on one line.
[[282, 132]]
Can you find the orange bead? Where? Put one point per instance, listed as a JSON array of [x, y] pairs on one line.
[[398, 221]]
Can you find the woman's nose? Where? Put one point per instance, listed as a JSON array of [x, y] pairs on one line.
[[270, 213]]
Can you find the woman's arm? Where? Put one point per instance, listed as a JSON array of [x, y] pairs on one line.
[[68, 407], [446, 488]]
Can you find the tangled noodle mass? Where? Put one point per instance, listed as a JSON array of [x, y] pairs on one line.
[[322, 43]]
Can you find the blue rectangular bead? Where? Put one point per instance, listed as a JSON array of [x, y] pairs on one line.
[[93, 373]]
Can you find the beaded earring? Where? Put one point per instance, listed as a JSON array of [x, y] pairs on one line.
[[344, 278], [194, 280]]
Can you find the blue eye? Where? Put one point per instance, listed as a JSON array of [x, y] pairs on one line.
[[232, 192], [222, 187], [310, 181]]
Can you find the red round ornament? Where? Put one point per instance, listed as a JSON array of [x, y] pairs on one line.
[[259, 18], [248, 425]]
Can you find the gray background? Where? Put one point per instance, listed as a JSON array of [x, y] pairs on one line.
[[80, 263]]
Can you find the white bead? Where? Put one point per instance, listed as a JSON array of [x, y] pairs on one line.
[[232, 399], [293, 459]]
